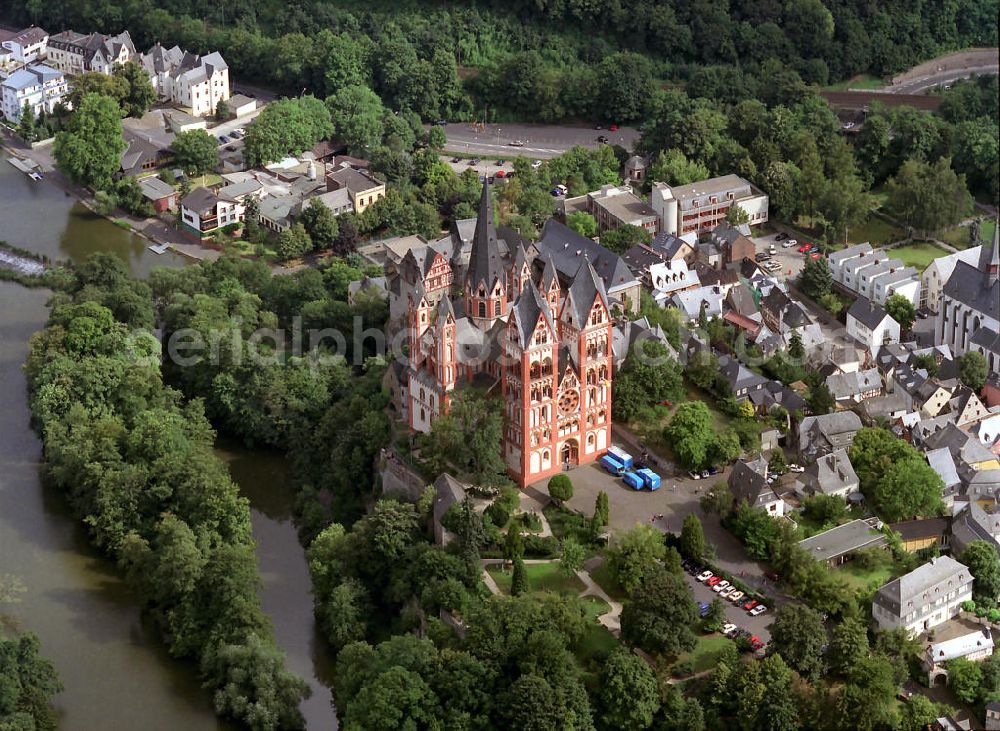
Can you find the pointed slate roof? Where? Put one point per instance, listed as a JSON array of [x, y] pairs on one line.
[[586, 287], [485, 262], [529, 306], [549, 273]]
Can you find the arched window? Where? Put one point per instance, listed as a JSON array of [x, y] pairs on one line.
[[590, 440], [482, 308], [496, 308]]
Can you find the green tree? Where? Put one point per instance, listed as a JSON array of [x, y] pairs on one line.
[[358, 117], [635, 551], [320, 224], [195, 151], [928, 196], [845, 204], [660, 613], [94, 82], [673, 168], [629, 697], [692, 542], [900, 309], [798, 636], [691, 433], [965, 678], [716, 616], [867, 700], [88, 150], [984, 565], [737, 215], [908, 489], [293, 242], [571, 557], [222, 111], [623, 238], [26, 125], [918, 713], [602, 512], [820, 399], [848, 645], [583, 223], [972, 369], [286, 127], [513, 545], [560, 488], [779, 709], [519, 581], [795, 347], [816, 278], [139, 93]]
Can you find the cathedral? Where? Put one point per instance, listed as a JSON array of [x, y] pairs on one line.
[[509, 320]]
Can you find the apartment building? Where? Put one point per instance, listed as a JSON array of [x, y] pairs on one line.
[[614, 206], [39, 86], [924, 598], [75, 53], [874, 274], [362, 188], [27, 46], [195, 83], [700, 207]]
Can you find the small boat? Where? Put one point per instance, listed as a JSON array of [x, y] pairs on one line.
[[159, 248], [35, 175]]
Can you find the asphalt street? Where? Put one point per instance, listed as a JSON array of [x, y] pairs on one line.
[[540, 141], [916, 86]]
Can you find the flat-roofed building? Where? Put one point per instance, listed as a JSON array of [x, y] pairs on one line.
[[700, 207], [837, 545]]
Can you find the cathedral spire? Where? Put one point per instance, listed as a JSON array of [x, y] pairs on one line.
[[485, 261], [995, 255]]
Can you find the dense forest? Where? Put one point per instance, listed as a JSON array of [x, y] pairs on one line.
[[544, 60]]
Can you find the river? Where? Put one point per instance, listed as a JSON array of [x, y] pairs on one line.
[[117, 674]]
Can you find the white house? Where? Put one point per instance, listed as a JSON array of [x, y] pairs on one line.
[[938, 272], [195, 83], [38, 86], [871, 325], [973, 646], [874, 274], [27, 46], [923, 598], [75, 53]]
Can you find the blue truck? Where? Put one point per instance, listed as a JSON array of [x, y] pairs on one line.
[[612, 465], [621, 456], [650, 479], [633, 480]]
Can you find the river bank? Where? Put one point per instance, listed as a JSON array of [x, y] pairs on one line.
[[116, 672]]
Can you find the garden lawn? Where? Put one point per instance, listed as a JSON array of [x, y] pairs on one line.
[[861, 579], [603, 577], [595, 607], [959, 236], [706, 653], [918, 255], [876, 230], [541, 577]]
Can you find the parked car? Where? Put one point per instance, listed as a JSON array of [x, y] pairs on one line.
[[755, 643], [713, 470], [714, 580], [720, 586], [703, 609], [815, 255], [501, 162], [613, 128], [705, 474], [603, 139], [694, 475], [598, 126], [796, 468], [758, 610], [456, 159], [805, 248], [474, 161], [223, 139], [704, 576], [441, 122], [789, 244], [781, 236], [729, 628], [536, 164], [501, 174], [236, 134], [750, 604], [735, 596], [725, 593]]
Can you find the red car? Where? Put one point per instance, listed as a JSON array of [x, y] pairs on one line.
[[804, 248], [751, 604], [755, 643], [814, 255], [613, 128], [714, 580], [500, 173]]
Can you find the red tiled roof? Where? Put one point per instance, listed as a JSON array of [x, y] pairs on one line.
[[744, 323]]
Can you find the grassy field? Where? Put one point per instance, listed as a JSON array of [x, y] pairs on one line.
[[603, 577], [541, 577], [706, 652], [918, 255], [860, 579], [875, 230], [959, 236], [862, 81], [595, 607]]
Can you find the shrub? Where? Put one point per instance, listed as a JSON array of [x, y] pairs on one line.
[[540, 547], [497, 513]]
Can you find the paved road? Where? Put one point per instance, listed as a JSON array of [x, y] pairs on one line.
[[949, 76], [540, 141]]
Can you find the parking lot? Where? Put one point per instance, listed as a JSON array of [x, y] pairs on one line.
[[790, 258], [677, 497]]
